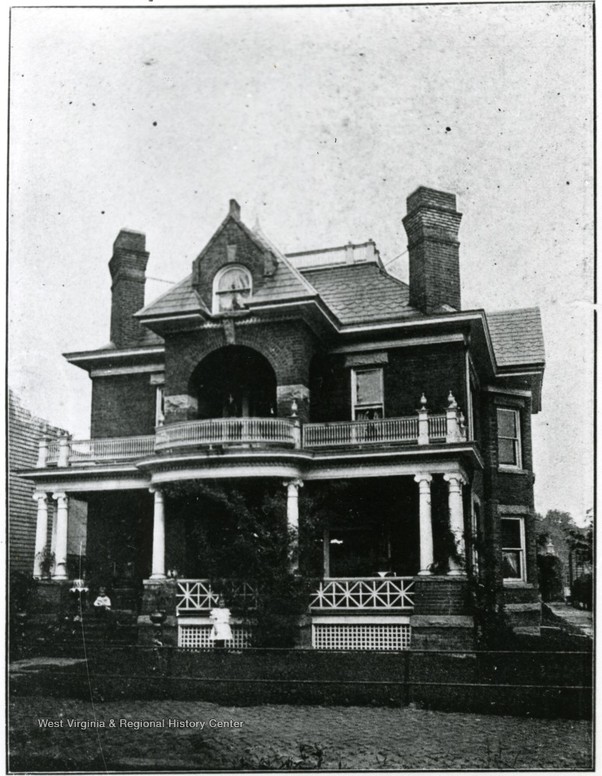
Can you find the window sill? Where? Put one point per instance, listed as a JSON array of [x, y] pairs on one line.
[[512, 470], [518, 583]]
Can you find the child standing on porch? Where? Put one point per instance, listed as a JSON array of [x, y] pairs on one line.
[[220, 617]]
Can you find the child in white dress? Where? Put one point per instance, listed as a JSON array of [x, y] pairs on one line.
[[220, 618]]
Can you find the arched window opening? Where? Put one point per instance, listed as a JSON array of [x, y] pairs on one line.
[[234, 381], [232, 287]]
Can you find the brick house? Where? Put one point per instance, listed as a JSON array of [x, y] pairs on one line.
[[275, 372]]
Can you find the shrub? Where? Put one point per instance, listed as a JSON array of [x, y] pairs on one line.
[[550, 577], [582, 590]]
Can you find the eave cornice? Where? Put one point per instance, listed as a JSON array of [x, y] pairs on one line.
[[90, 359]]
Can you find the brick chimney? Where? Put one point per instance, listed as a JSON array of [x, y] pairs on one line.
[[432, 224], [127, 267]]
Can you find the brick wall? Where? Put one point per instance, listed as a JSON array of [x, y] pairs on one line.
[[432, 226], [509, 487], [288, 346], [330, 385], [214, 257], [127, 267], [440, 596], [123, 405], [435, 369], [505, 488]]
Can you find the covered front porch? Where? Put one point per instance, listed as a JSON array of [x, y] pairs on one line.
[[355, 542]]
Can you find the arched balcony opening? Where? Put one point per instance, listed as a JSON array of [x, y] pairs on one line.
[[234, 382]]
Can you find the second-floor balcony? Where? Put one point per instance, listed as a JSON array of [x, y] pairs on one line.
[[281, 433]]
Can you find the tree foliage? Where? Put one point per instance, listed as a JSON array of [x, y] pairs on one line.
[[254, 545], [559, 530]]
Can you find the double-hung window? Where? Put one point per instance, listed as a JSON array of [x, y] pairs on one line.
[[513, 548], [508, 437], [367, 395]]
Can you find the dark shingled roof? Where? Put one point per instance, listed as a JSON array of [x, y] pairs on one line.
[[182, 298], [361, 292], [517, 336]]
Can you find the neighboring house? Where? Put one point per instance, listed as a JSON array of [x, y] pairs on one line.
[[25, 431], [279, 371]]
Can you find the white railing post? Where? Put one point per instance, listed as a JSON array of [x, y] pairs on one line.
[[296, 424], [423, 422], [42, 453], [456, 521], [41, 533], [426, 527], [158, 561], [63, 451], [453, 431], [462, 426], [62, 527]]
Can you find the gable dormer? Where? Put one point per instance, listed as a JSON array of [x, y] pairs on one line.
[[233, 266]]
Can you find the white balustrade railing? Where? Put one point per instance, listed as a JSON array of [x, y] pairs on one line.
[[112, 449], [351, 593], [53, 453], [437, 426], [280, 432], [226, 431], [360, 432], [198, 595]]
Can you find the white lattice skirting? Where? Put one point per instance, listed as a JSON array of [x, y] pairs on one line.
[[342, 633], [196, 636], [361, 633]]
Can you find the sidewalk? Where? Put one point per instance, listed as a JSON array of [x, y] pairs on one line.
[[578, 620]]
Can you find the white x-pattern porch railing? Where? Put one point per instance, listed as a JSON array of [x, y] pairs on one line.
[[194, 596], [349, 593], [198, 595]]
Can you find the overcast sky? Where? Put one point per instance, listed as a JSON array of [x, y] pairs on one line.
[[320, 122]]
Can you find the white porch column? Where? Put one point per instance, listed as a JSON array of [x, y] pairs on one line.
[[292, 516], [326, 552], [41, 533], [62, 521], [158, 564], [456, 520], [426, 527]]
